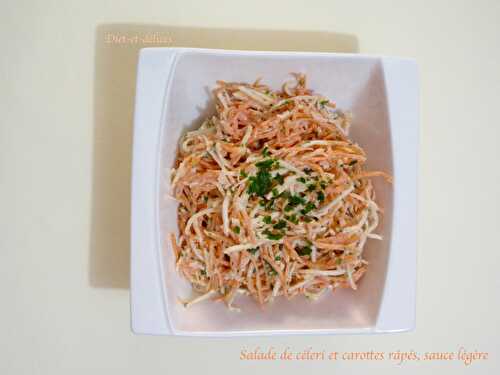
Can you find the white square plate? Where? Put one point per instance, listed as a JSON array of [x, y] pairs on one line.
[[173, 94]]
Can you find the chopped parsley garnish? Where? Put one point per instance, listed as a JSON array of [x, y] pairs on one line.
[[280, 225], [243, 174], [203, 272], [236, 229], [321, 196], [275, 192], [285, 194], [301, 179], [306, 250], [307, 219], [295, 200], [288, 208], [292, 218], [323, 102], [311, 187], [307, 171], [273, 235], [260, 184], [267, 219], [308, 208], [205, 198], [277, 258], [279, 179], [323, 185], [265, 151], [265, 164]]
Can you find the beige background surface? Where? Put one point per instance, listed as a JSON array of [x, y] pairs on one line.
[[66, 100]]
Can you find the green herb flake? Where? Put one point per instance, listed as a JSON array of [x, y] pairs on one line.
[[267, 219], [275, 192], [243, 174], [265, 164], [311, 187], [260, 184], [236, 229], [301, 179], [205, 198], [277, 258], [285, 194], [323, 185], [309, 207], [307, 171], [295, 200], [273, 236], [280, 225], [203, 272], [279, 179], [292, 218], [321, 196], [324, 102], [306, 250], [265, 151]]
